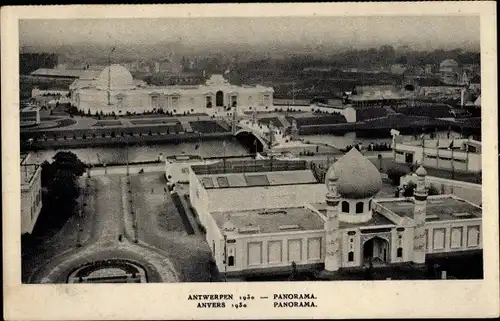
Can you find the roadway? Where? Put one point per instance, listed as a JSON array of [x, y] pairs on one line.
[[108, 205]]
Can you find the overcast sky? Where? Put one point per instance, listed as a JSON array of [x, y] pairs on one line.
[[428, 32]]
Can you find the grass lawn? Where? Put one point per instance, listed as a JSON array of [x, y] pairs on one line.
[[160, 224], [150, 198]]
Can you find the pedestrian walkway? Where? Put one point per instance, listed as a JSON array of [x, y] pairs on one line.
[[284, 121], [187, 126]]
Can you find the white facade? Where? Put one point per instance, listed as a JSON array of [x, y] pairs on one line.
[[30, 114], [465, 159], [464, 190], [31, 195], [35, 92], [348, 231], [216, 97]]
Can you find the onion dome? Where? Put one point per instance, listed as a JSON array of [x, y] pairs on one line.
[[421, 171], [357, 177], [449, 63], [115, 77]]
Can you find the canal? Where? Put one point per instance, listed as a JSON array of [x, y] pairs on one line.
[[208, 148]]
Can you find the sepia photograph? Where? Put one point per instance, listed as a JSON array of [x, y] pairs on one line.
[[298, 149]]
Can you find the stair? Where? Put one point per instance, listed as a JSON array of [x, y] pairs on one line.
[[187, 126], [284, 121]]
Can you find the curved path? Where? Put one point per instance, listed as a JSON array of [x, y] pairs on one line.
[[103, 244]]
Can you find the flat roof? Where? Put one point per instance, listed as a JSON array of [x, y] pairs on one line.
[[271, 220], [234, 180], [438, 209], [250, 166], [376, 220], [69, 73]]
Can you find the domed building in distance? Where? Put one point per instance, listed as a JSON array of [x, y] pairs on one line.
[[449, 70], [115, 91], [335, 226]]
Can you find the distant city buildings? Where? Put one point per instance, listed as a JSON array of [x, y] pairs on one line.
[[449, 71], [369, 96], [398, 69]]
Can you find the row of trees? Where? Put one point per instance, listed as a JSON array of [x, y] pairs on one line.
[[74, 111]]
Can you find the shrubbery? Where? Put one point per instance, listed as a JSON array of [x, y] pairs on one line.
[[433, 190], [396, 171]]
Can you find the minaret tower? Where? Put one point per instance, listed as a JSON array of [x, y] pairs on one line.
[[332, 257], [420, 200]]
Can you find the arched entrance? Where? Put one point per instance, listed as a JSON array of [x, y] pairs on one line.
[[376, 250], [252, 143], [219, 98]]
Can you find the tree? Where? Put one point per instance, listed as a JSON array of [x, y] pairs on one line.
[[59, 180], [433, 190], [295, 274], [409, 189], [395, 171]]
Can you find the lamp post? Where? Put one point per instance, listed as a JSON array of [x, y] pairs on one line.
[[109, 75], [126, 151], [225, 257]]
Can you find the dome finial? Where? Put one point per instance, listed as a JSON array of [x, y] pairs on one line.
[[421, 171]]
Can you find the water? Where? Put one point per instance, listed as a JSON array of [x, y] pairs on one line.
[[148, 153], [342, 141], [211, 148]]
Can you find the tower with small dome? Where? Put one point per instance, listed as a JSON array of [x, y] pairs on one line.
[[420, 201], [332, 239]]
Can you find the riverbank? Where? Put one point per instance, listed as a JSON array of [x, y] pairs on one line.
[[137, 139]]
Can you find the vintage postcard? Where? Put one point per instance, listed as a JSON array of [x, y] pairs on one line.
[[264, 161]]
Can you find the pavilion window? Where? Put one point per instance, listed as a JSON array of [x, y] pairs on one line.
[[230, 260], [266, 99], [174, 101], [359, 207], [370, 205], [399, 252], [345, 207], [350, 256]]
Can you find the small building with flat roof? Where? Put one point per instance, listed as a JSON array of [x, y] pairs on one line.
[[461, 155], [451, 224]]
